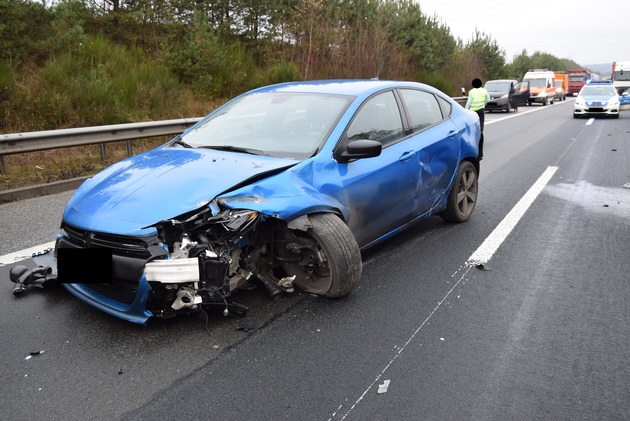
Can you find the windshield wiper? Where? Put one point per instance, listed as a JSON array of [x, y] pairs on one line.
[[236, 149], [178, 141]]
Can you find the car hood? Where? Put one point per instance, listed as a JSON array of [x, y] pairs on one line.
[[160, 184]]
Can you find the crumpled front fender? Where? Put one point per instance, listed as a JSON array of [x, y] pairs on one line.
[[288, 196]]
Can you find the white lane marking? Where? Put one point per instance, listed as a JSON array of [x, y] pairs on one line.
[[491, 244], [481, 255], [590, 121], [519, 113], [18, 256]]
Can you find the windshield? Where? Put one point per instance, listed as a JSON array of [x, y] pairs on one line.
[[558, 84], [622, 75], [537, 82], [286, 125], [598, 90], [496, 86], [577, 77]]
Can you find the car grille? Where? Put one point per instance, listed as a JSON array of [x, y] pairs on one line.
[[121, 245], [116, 292]]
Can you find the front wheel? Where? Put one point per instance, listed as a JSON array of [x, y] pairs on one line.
[[463, 195], [325, 258]]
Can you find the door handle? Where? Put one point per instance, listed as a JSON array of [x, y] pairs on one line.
[[407, 156]]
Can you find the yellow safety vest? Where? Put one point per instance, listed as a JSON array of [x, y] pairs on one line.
[[478, 98]]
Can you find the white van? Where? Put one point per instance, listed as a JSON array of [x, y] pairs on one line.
[[542, 85]]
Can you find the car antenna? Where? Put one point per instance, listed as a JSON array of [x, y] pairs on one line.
[[379, 71]]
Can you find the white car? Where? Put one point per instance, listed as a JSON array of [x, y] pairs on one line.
[[597, 98]]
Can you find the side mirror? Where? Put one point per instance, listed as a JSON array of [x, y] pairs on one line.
[[362, 148]]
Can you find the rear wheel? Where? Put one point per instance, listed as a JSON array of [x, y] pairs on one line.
[[463, 195], [325, 259]]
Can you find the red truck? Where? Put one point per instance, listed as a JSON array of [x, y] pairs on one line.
[[577, 79]]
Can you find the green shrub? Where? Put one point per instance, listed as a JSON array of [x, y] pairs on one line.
[[99, 83], [212, 67], [281, 72], [438, 81]]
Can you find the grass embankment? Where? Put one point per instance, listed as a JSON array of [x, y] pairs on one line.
[[99, 83]]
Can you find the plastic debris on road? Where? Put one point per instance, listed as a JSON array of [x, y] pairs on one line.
[[34, 353], [382, 388]]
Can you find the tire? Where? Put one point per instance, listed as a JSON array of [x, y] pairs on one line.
[[576, 115], [545, 102], [463, 195], [325, 259]]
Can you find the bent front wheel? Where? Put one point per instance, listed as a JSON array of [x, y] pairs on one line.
[[325, 258]]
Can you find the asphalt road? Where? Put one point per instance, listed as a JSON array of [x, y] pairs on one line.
[[540, 333]]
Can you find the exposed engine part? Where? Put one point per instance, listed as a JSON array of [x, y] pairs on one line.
[[186, 298]]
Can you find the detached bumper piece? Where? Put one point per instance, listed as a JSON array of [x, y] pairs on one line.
[[43, 275]]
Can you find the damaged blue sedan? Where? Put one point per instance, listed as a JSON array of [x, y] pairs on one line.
[[283, 185]]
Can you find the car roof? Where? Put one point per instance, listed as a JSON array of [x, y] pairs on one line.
[[502, 80], [353, 87]]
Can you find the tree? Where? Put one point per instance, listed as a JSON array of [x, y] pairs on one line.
[[489, 54]]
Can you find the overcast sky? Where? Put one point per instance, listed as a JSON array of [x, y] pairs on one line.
[[594, 34]]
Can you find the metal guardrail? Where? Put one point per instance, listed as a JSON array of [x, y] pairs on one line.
[[16, 143]]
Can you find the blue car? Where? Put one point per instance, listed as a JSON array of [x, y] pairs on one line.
[[281, 186]]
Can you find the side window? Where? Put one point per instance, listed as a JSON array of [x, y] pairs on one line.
[[422, 107], [445, 106], [378, 119]]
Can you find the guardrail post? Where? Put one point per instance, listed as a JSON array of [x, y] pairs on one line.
[[129, 151], [2, 164], [103, 151]]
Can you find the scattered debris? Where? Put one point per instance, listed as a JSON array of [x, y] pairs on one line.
[[606, 206], [34, 354], [481, 266], [441, 339], [626, 186], [382, 388], [247, 324], [120, 371]]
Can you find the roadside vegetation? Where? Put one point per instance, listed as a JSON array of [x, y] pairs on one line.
[[79, 63]]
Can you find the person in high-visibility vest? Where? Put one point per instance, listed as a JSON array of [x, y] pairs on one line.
[[477, 99]]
